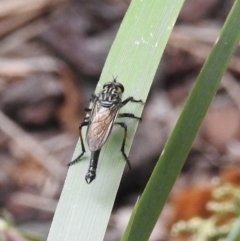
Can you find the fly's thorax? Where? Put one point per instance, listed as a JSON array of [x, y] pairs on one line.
[[110, 96]]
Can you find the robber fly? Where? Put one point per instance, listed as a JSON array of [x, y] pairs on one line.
[[102, 116]]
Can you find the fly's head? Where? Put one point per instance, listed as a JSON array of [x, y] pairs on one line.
[[111, 94]]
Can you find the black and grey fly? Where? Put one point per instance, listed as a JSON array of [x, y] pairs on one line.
[[102, 116]]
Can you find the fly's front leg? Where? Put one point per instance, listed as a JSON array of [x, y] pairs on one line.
[[85, 123], [93, 97], [130, 99], [87, 110], [87, 117], [129, 115], [124, 126]]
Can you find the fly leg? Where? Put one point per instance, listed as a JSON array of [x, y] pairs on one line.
[[129, 115], [124, 126], [93, 97], [91, 174], [85, 123], [131, 99], [87, 110]]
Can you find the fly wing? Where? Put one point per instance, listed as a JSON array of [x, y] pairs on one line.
[[101, 122]]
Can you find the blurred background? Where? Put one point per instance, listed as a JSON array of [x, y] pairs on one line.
[[51, 57]]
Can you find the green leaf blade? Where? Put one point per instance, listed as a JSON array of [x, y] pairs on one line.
[[177, 148], [84, 210]]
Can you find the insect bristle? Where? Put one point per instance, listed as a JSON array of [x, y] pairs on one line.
[[114, 78]]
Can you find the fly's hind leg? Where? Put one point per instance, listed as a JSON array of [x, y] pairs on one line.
[[85, 123], [124, 126]]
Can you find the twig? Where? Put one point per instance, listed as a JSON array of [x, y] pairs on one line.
[[198, 45], [32, 147], [34, 201], [11, 7], [21, 67], [7, 25], [24, 34]]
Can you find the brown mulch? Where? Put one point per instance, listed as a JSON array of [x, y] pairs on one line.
[[51, 56]]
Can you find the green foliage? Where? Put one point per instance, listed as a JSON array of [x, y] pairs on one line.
[[83, 210], [150, 205]]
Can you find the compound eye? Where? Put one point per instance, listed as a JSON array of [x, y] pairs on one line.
[[107, 84], [120, 86], [116, 84]]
